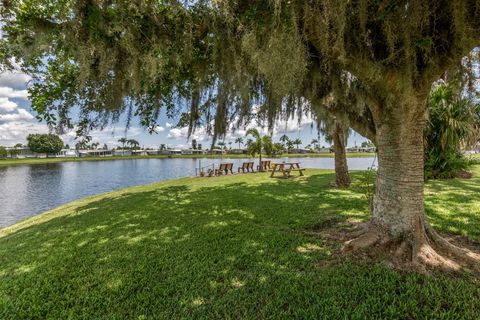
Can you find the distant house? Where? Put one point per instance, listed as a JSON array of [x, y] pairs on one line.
[[175, 151], [70, 153], [95, 153], [323, 150], [64, 153], [187, 151], [216, 151], [21, 153], [237, 151], [192, 151], [299, 150], [153, 152], [25, 152], [139, 152], [120, 152]]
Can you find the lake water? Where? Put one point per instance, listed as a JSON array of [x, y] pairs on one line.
[[27, 190]]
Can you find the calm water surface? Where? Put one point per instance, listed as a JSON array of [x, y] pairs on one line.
[[31, 189]]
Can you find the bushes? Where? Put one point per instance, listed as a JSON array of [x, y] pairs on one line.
[[3, 152], [453, 124], [45, 143]]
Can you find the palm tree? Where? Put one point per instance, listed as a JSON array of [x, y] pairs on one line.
[[284, 139], [95, 145], [259, 145], [249, 142], [239, 140], [454, 124], [314, 143], [123, 141], [290, 145], [297, 142], [255, 146], [221, 144], [133, 143]]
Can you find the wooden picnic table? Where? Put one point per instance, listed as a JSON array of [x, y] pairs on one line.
[[286, 168]]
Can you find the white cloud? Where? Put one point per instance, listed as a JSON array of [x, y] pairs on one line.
[[110, 137], [21, 115], [12, 93], [176, 133], [182, 134], [7, 106], [15, 132], [14, 79], [168, 125], [160, 129]]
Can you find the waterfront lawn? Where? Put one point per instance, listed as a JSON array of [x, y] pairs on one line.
[[227, 247]]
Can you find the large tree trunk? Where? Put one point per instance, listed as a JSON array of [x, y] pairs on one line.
[[342, 178], [398, 219], [398, 201]]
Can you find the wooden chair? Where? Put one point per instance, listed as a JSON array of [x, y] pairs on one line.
[[265, 165], [229, 168], [221, 169], [246, 167], [224, 168], [243, 167]]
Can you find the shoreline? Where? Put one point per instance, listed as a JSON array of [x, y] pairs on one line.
[[33, 161]]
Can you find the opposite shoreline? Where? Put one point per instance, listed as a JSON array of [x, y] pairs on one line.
[[33, 161]]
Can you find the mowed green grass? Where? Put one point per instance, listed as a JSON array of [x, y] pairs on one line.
[[227, 247]]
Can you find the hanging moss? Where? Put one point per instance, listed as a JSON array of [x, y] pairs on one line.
[[219, 58]]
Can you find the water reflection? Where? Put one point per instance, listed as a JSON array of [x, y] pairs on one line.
[[28, 190]]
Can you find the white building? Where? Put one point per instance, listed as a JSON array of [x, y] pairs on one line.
[[120, 152], [25, 152]]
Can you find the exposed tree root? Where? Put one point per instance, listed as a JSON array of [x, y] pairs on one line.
[[423, 252]]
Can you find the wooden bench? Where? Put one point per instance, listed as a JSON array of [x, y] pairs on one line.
[[224, 168], [246, 166], [287, 168], [300, 171], [265, 165]]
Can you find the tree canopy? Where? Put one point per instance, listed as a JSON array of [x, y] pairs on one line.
[[3, 152], [110, 57], [45, 143]]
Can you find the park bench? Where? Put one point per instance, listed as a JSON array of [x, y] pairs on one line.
[[265, 165], [224, 168], [287, 168], [246, 166]]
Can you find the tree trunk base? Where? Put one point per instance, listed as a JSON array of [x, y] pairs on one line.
[[423, 252]]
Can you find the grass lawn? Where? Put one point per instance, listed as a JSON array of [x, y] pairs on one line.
[[228, 247], [29, 161]]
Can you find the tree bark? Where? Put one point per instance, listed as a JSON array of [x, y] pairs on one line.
[[398, 200], [342, 178], [398, 223]]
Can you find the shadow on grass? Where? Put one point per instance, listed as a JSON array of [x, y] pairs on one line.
[[454, 205], [232, 250]]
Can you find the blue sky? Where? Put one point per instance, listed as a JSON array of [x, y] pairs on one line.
[[17, 121]]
